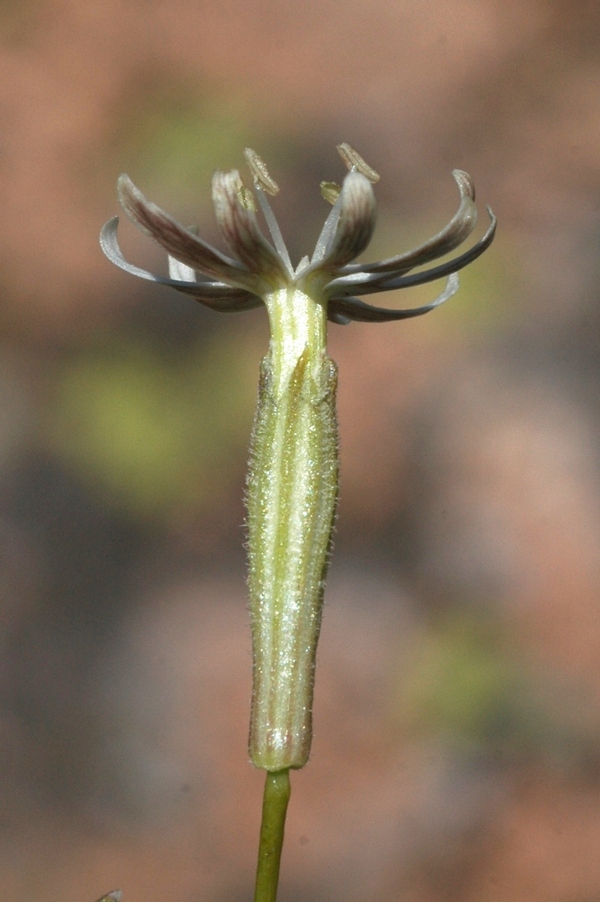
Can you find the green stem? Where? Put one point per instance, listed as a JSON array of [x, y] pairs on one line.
[[275, 802]]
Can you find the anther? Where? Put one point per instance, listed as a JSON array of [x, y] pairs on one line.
[[260, 173], [353, 160], [330, 191]]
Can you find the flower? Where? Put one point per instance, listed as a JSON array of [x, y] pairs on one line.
[[257, 267], [292, 483]]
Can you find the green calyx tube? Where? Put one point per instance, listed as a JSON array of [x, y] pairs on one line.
[[291, 500]]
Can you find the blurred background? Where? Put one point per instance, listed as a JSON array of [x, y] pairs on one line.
[[457, 718]]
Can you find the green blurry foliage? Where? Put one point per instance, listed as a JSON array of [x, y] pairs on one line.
[[464, 686], [461, 681], [489, 296], [157, 435], [171, 140]]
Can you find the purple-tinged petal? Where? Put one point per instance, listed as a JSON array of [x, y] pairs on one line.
[[345, 310], [240, 230], [356, 222], [177, 240], [348, 228], [217, 295], [451, 236], [369, 283]]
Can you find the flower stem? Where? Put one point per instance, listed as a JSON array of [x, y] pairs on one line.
[[275, 802]]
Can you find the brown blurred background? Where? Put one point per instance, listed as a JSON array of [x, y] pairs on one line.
[[457, 741]]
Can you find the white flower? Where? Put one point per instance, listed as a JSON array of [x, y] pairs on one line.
[[258, 267]]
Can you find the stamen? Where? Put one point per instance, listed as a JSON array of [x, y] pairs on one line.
[[330, 191], [328, 231], [274, 229], [353, 160], [260, 173]]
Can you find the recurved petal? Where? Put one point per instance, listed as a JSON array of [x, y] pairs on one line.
[[217, 295], [240, 230], [344, 310], [369, 282], [177, 240], [451, 236], [355, 225]]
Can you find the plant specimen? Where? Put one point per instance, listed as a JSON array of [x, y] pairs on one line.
[[293, 474]]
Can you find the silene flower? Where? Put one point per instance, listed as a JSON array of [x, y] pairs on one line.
[[293, 476]]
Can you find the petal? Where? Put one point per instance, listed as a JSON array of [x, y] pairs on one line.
[[343, 310], [177, 240], [181, 271], [368, 282], [355, 225], [351, 219], [240, 230], [458, 230], [217, 295]]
